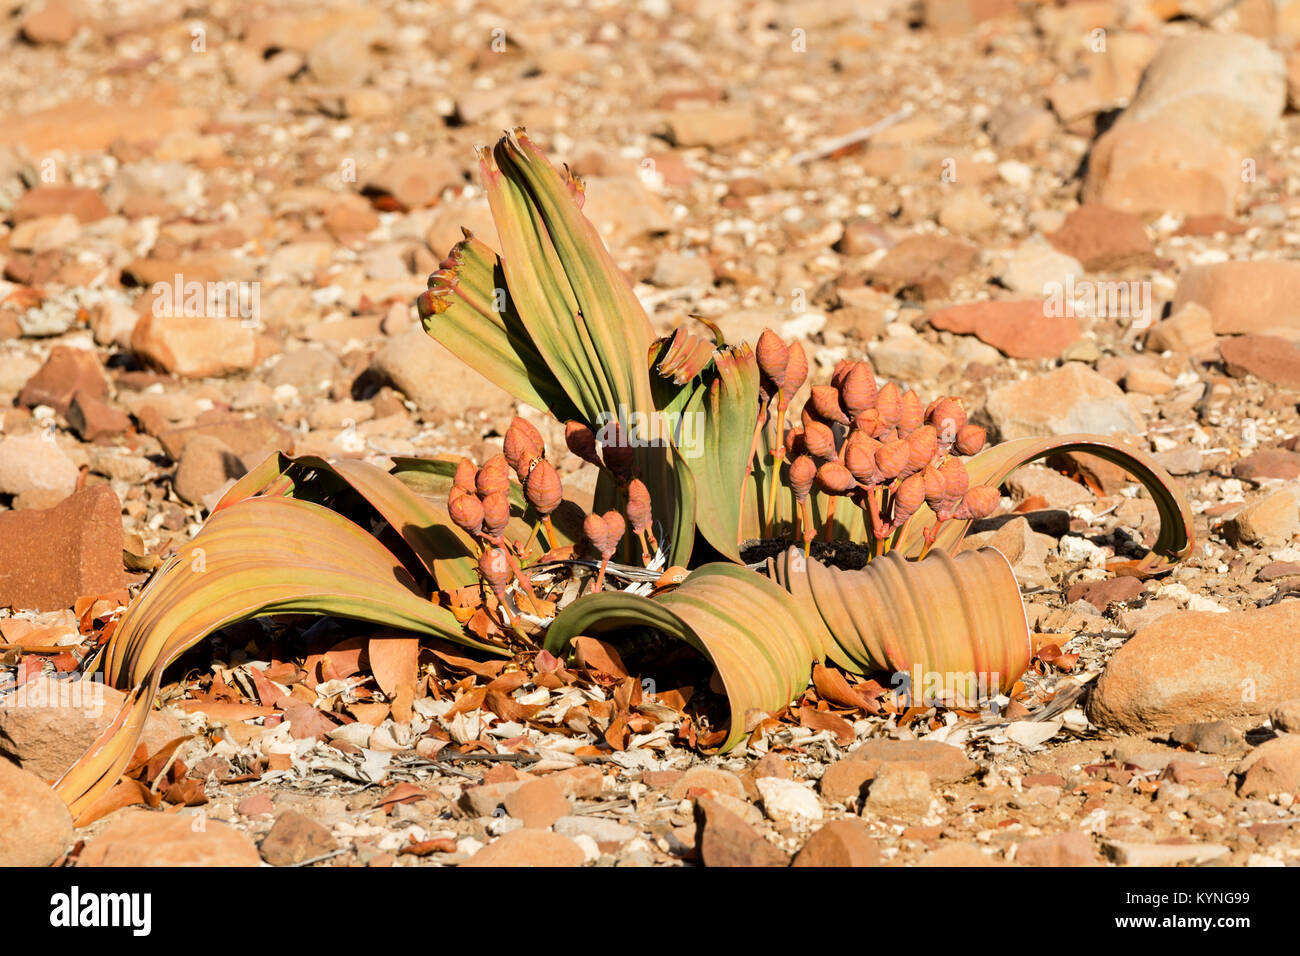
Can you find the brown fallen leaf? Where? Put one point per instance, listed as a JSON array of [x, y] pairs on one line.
[[815, 719], [394, 660], [599, 657]]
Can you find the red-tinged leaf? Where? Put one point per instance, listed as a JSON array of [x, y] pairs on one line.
[[394, 660], [815, 719], [370, 714], [225, 710], [509, 682], [188, 793], [267, 691], [599, 657], [425, 847], [305, 721], [486, 669], [546, 662], [467, 703], [832, 687], [124, 793], [403, 792], [507, 708]]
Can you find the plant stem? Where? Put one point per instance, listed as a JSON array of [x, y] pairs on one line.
[[749, 471], [778, 453]]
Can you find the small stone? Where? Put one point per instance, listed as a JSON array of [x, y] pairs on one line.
[[84, 204], [32, 462], [707, 778], [788, 801], [1150, 168], [724, 839], [1243, 297], [538, 803], [295, 838], [1066, 400], [309, 370], [414, 180], [421, 369], [258, 805], [943, 763], [1038, 481], [1272, 767], [65, 373], [967, 213], [1104, 240], [907, 358], [599, 829], [93, 419], [145, 838], [1163, 854], [1217, 656], [207, 465], [1102, 594], [194, 346], [1286, 716], [1036, 268], [1209, 737], [862, 237], [1059, 849], [1277, 570], [1190, 330], [341, 58], [527, 847], [1274, 519], [673, 271], [35, 826], [1013, 127], [845, 780], [898, 789], [1267, 357], [623, 210], [711, 126], [958, 854], [1026, 329], [50, 557], [840, 843], [1268, 463], [47, 724], [921, 267]]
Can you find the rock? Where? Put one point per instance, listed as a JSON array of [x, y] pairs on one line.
[[1013, 127], [35, 826], [1276, 570], [85, 205], [920, 267], [1271, 520], [711, 126], [623, 210], [483, 800], [1059, 849], [1272, 767], [1039, 481], [1267, 357], [1102, 594], [1190, 329], [724, 839], [1163, 854], [50, 557], [538, 803], [422, 370], [707, 779], [45, 234], [1017, 328], [1104, 240], [65, 373], [1243, 297], [207, 465], [1286, 716], [674, 270], [845, 780], [32, 462], [1072, 398], [1209, 737], [862, 237], [295, 838], [448, 218], [194, 346], [341, 58], [899, 789], [788, 801], [309, 370], [527, 847], [145, 838], [907, 358], [47, 724], [1227, 665], [92, 419], [958, 854], [55, 23], [599, 829], [252, 439], [414, 180], [840, 843], [943, 763], [1268, 463], [1181, 461], [1025, 550], [1151, 168], [1223, 86], [966, 212], [1143, 380], [1036, 268]]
